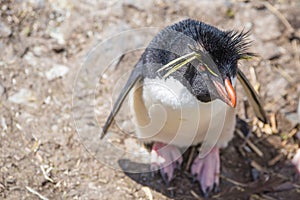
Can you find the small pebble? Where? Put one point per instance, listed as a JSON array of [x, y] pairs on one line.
[[24, 96], [1, 89], [56, 71], [5, 30]]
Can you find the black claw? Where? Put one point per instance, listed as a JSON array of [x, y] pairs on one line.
[[171, 193], [195, 178], [145, 177], [210, 189], [206, 195], [216, 188], [165, 177], [177, 165], [152, 173], [206, 192]]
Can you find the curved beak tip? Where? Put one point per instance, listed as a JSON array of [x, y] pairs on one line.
[[226, 92], [231, 93]]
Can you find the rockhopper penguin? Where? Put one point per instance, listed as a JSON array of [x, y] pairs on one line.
[[182, 93]]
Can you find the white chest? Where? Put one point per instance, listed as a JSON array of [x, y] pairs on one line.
[[165, 111]]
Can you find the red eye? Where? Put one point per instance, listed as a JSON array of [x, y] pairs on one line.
[[202, 68]]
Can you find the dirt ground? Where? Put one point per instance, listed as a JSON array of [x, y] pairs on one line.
[[44, 45]]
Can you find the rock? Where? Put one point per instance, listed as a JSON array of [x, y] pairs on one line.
[[31, 59], [135, 151], [298, 135], [38, 4], [57, 71], [266, 33], [203, 10], [268, 50], [38, 50], [1, 89], [113, 29], [54, 128], [58, 36], [3, 124], [293, 118], [296, 161], [5, 30], [24, 96], [47, 100], [299, 110], [280, 84]]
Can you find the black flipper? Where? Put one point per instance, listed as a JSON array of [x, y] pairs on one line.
[[135, 75], [252, 97]]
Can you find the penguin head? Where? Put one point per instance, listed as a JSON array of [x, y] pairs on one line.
[[212, 74], [220, 52]]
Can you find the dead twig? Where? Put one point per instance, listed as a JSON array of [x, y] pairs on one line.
[[36, 193], [233, 181], [250, 144], [292, 133], [190, 158], [297, 56], [273, 123], [256, 84], [267, 129], [257, 166], [45, 173], [195, 194], [284, 74], [35, 146], [275, 159]]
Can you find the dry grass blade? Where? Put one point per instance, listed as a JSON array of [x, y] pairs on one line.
[[296, 51], [35, 146], [45, 173], [279, 15], [284, 74]]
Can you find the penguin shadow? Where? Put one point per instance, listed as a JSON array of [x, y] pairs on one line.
[[181, 186], [245, 173]]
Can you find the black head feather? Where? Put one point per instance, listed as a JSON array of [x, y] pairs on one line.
[[225, 47]]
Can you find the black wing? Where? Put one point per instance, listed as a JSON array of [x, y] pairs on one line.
[[252, 97], [135, 75]]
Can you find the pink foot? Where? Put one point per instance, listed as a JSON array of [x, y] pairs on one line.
[[296, 161], [166, 158], [206, 170]]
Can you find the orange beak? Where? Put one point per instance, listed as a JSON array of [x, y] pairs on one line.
[[231, 92], [227, 94]]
